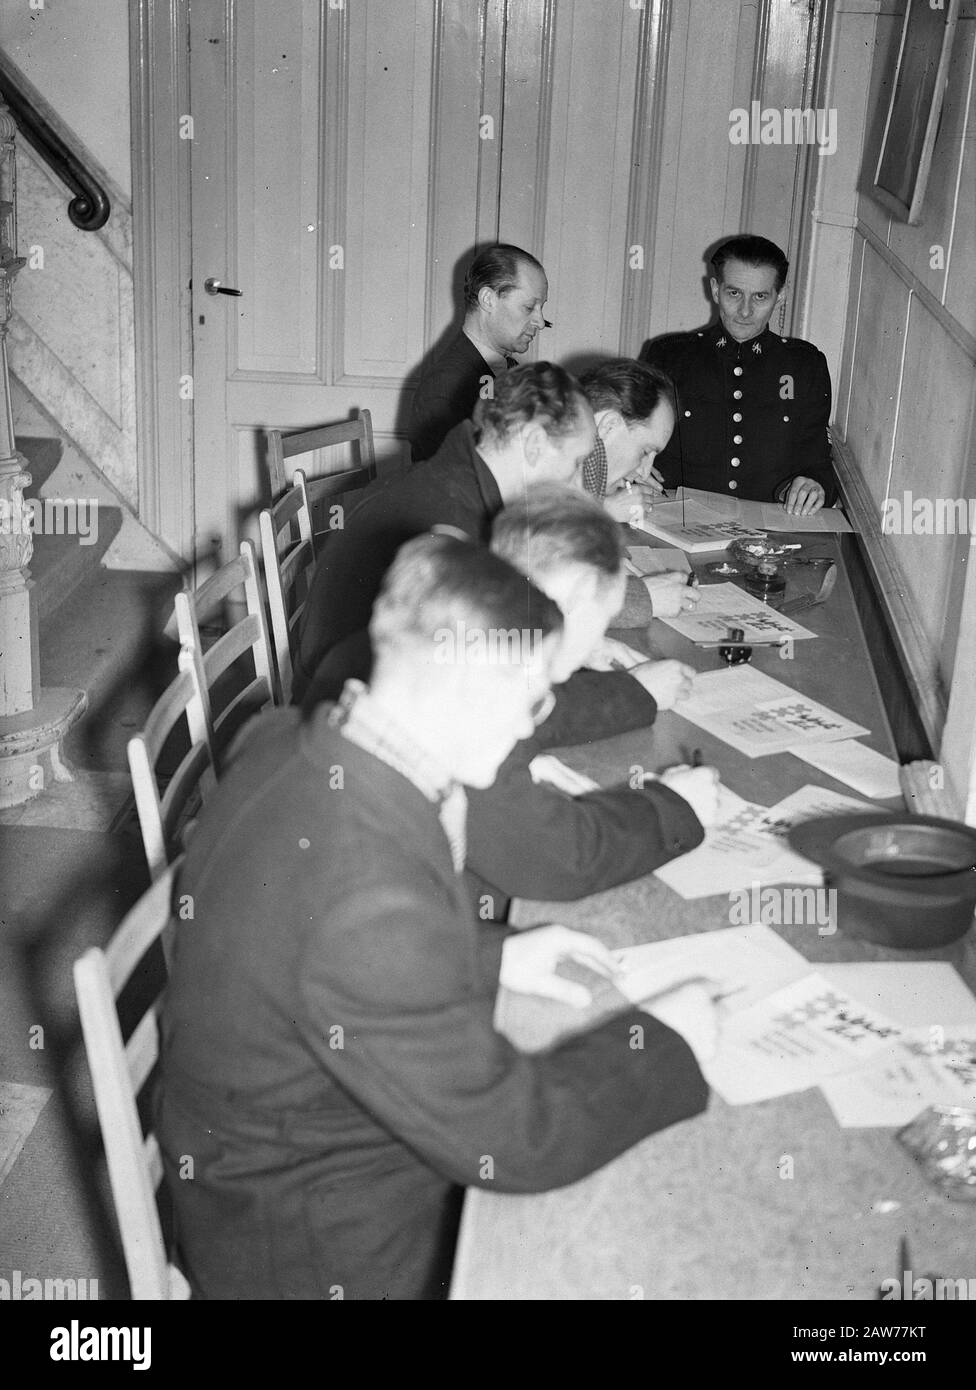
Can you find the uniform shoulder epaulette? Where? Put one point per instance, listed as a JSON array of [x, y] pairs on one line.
[[798, 344]]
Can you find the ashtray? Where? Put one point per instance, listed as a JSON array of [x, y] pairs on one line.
[[943, 1141], [747, 551]]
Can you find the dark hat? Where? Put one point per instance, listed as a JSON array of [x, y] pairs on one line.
[[901, 880]]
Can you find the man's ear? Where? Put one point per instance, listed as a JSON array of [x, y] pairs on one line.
[[534, 440], [781, 296], [608, 422], [714, 284], [487, 299]]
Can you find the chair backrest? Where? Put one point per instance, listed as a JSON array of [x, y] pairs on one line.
[[287, 446], [234, 688], [119, 1071], [288, 552], [166, 801]]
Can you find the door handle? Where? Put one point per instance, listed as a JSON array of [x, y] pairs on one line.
[[213, 286]]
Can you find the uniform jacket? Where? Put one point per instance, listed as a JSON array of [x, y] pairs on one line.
[[751, 416], [329, 1061]]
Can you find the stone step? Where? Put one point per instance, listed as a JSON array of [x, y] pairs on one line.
[[69, 540], [106, 639]]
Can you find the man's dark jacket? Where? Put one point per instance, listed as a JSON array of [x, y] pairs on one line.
[[532, 840], [329, 1060], [447, 392], [454, 488], [751, 416]]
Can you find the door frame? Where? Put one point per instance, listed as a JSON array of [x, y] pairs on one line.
[[159, 66]]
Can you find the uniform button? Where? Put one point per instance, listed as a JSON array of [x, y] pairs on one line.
[[737, 395], [687, 414], [735, 462], [786, 419], [733, 485], [737, 417], [736, 371], [737, 439]]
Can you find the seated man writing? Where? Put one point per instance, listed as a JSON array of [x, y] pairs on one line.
[[331, 1076], [530, 839], [538, 427], [753, 406], [505, 291], [633, 407]]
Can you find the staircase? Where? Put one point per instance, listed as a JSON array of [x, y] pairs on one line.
[[83, 662]]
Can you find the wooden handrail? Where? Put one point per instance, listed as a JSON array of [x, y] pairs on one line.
[[89, 209]]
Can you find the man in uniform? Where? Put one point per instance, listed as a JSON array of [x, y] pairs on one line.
[[753, 406]]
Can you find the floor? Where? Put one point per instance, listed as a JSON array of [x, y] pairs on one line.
[[71, 864]]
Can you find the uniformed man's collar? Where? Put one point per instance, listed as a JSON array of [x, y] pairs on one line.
[[726, 343]]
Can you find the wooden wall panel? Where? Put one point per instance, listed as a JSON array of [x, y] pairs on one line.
[[458, 157], [387, 138], [594, 83], [529, 40], [932, 459], [876, 372], [960, 283], [275, 242]]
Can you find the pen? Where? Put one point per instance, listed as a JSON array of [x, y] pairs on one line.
[[716, 996], [692, 579]]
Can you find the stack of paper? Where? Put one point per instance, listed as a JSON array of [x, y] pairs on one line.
[[724, 606], [860, 767], [748, 846], [757, 714], [693, 526], [882, 1040], [746, 964], [795, 1038], [764, 516]]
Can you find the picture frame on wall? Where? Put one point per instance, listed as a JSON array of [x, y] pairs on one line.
[[917, 93]]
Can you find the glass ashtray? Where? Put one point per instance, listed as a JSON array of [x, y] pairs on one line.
[[942, 1139], [747, 551]]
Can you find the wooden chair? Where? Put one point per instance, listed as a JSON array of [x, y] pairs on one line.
[[288, 552], [119, 1072], [166, 804], [358, 432], [323, 488], [238, 678]]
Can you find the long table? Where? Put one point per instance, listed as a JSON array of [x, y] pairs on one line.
[[771, 1201]]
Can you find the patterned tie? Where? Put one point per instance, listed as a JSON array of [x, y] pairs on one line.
[[595, 470]]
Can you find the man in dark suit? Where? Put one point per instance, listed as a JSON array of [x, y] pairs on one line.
[[528, 837], [505, 290], [331, 1074], [753, 406], [537, 427]]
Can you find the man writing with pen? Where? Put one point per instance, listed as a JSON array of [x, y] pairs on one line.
[[633, 407]]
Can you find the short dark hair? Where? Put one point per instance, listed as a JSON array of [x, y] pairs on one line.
[[552, 526], [636, 389], [754, 251], [496, 268], [539, 392], [439, 583]]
